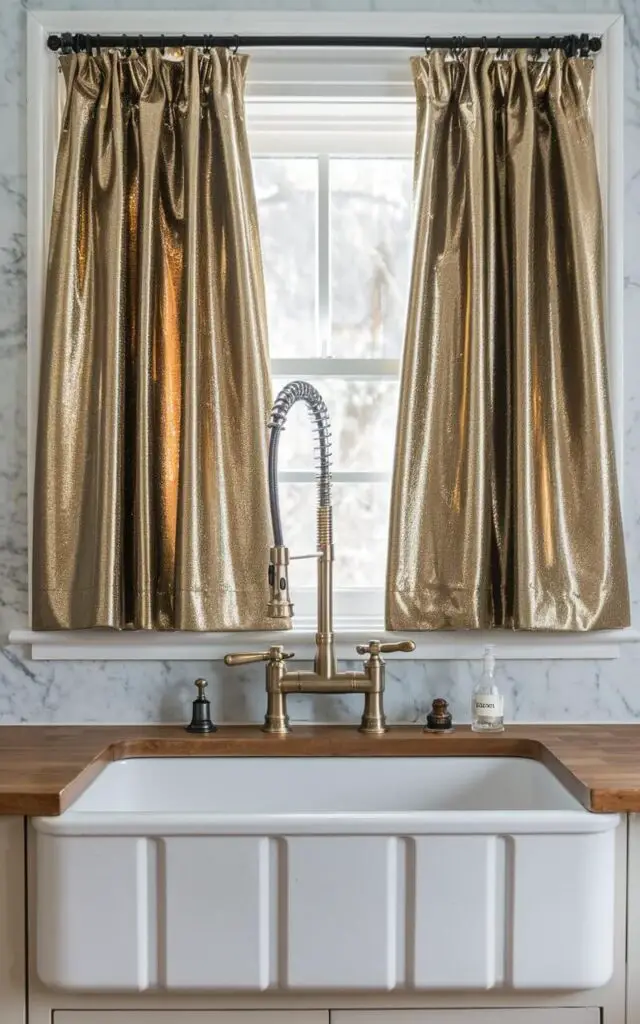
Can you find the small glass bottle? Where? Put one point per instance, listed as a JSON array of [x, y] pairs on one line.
[[487, 703]]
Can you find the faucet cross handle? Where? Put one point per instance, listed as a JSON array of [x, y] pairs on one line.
[[275, 653], [375, 647]]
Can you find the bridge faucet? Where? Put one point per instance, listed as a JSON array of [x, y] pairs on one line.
[[325, 677]]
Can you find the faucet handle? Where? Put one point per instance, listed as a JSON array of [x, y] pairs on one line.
[[275, 653], [374, 647]]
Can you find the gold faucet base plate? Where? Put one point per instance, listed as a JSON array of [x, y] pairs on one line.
[[276, 726], [373, 727]]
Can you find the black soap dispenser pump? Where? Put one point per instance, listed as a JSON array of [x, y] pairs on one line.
[[201, 715]]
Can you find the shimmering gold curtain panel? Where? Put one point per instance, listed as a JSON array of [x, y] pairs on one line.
[[151, 502], [505, 507]]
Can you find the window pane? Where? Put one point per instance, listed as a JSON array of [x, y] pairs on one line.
[[371, 211], [360, 516], [287, 196], [363, 425]]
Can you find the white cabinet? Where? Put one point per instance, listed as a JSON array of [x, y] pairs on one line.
[[191, 1017], [561, 1015], [12, 923]]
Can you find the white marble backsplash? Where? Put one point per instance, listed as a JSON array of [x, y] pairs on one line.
[[150, 691], [588, 691]]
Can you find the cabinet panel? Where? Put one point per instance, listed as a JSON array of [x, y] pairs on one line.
[[190, 1017], [559, 1015], [12, 924]]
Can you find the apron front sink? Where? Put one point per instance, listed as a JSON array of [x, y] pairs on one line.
[[313, 874]]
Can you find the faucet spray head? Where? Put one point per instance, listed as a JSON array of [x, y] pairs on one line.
[[280, 606]]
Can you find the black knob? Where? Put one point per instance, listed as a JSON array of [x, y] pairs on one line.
[[201, 715], [439, 718]]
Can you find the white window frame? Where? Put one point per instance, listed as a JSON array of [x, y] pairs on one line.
[[324, 131], [357, 79]]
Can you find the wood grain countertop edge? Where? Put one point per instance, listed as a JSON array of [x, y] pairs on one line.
[[43, 769]]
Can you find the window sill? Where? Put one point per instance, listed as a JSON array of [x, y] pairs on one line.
[[104, 645]]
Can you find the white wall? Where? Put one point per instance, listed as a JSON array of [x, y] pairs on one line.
[[160, 691]]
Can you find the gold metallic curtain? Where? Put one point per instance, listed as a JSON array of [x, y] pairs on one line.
[[151, 504], [505, 507]]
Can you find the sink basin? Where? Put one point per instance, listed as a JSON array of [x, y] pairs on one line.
[[426, 791], [308, 874]]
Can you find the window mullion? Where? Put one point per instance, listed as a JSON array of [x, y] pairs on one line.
[[338, 476], [324, 255]]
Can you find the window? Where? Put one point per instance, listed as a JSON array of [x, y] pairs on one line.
[[332, 138], [336, 240], [333, 171]]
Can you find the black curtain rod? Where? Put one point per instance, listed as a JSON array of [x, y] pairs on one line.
[[572, 45]]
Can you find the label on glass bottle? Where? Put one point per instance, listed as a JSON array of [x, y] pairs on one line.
[[488, 706]]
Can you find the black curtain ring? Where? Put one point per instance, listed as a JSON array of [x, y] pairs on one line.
[[141, 47], [483, 43], [161, 47], [183, 42], [97, 46], [126, 49], [427, 45], [237, 44]]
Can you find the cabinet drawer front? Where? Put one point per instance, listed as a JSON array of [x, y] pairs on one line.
[[502, 1015], [190, 1017]]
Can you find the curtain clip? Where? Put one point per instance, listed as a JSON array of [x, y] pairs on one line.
[[236, 47], [141, 48], [457, 46], [427, 45]]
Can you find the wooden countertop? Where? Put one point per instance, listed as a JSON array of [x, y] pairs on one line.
[[43, 769]]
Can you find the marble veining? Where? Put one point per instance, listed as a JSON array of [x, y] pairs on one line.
[[588, 691]]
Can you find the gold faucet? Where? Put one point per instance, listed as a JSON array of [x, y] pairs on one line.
[[325, 677]]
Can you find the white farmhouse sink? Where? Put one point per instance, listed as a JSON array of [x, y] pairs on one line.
[[295, 874]]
